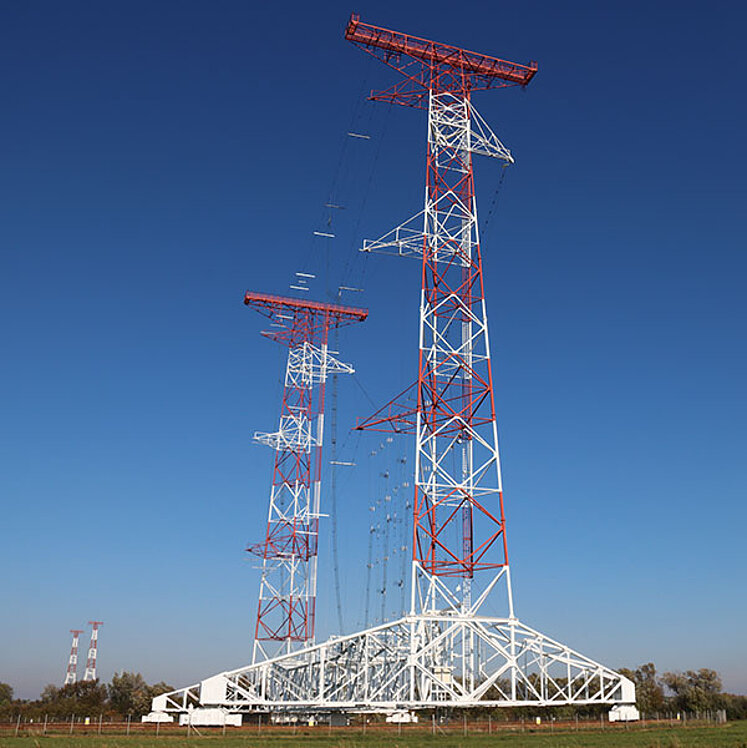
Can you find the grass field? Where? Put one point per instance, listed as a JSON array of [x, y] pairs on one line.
[[732, 735]]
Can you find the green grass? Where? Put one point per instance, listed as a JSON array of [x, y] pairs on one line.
[[733, 735]]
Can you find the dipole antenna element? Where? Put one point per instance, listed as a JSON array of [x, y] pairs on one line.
[[90, 673], [287, 595], [71, 676]]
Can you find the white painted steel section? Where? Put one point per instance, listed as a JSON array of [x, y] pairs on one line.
[[452, 123], [416, 662]]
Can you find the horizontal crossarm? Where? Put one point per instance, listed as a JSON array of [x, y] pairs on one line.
[[272, 304], [435, 53]]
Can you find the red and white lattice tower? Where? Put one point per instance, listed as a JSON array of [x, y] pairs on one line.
[[287, 595], [72, 664], [459, 524], [90, 673]]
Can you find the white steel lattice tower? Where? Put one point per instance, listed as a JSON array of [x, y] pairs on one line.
[[90, 673], [72, 664]]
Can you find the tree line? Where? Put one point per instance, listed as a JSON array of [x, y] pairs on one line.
[[128, 695], [693, 692]]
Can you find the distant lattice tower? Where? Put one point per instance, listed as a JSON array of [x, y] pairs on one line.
[[90, 673], [72, 664]]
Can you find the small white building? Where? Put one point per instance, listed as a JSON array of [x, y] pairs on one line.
[[624, 713], [207, 717], [157, 717]]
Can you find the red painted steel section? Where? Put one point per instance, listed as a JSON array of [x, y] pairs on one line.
[[288, 618], [438, 54], [275, 304]]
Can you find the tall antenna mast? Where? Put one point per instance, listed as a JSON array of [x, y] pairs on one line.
[[287, 595], [459, 523], [90, 673], [72, 664]]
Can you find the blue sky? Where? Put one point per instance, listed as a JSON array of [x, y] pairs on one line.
[[159, 158]]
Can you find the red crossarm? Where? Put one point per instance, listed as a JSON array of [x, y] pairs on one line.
[[252, 298], [438, 54]]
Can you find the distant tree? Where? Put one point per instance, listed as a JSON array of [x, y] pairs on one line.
[[649, 695], [50, 694], [693, 690], [6, 693], [125, 691], [735, 705], [130, 694], [81, 698], [158, 688], [155, 690]]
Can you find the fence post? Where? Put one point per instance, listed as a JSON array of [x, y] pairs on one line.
[[72, 722], [45, 723], [433, 723], [129, 717], [158, 727], [464, 724], [18, 724], [101, 717], [490, 724], [259, 724]]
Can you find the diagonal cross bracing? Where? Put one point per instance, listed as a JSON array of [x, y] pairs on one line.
[[287, 595], [416, 662]]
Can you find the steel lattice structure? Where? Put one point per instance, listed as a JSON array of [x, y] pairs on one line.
[[459, 524], [71, 675], [449, 651], [90, 673], [287, 594], [414, 663]]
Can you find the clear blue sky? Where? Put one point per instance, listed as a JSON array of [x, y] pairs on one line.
[[161, 157]]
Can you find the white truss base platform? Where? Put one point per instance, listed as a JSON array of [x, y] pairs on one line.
[[420, 661]]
